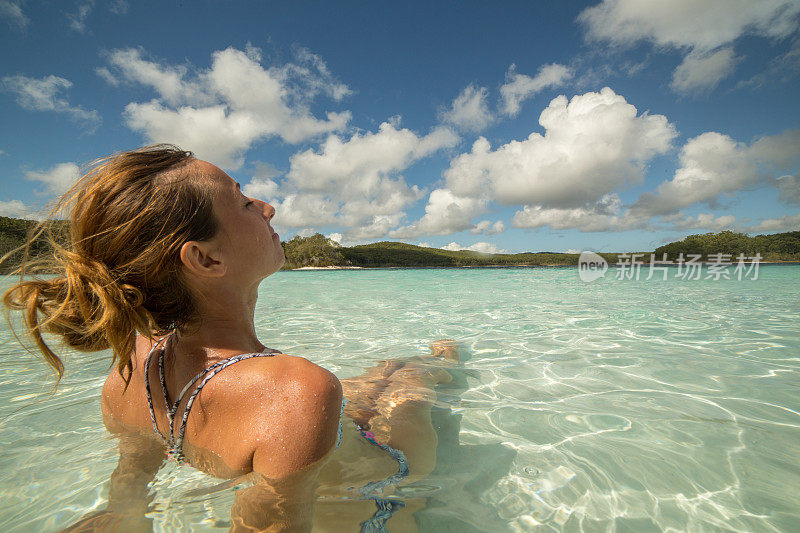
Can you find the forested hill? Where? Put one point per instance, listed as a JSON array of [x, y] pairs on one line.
[[319, 251], [13, 233], [776, 247]]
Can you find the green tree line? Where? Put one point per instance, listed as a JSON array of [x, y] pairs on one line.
[[777, 247]]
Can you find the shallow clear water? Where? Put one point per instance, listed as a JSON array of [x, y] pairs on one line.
[[613, 405]]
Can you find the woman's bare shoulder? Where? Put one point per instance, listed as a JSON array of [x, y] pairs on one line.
[[292, 376], [293, 409]]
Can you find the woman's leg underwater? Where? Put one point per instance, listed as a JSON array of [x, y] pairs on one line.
[[401, 412]]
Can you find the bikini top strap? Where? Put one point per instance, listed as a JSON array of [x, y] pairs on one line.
[[211, 371], [172, 407], [147, 384]]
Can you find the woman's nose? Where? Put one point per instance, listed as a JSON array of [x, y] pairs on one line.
[[269, 211]]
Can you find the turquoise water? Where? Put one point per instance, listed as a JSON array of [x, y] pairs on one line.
[[613, 405]]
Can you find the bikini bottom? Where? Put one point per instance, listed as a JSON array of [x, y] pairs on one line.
[[386, 508]]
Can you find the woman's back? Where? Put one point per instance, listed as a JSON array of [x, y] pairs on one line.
[[283, 407]]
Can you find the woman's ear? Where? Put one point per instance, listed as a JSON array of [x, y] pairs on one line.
[[202, 259]]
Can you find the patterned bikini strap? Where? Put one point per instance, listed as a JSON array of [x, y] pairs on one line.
[[212, 371], [153, 349], [176, 445]]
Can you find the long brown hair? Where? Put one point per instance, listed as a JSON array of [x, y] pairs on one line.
[[118, 272]]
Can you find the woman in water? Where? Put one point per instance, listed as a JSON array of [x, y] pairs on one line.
[[162, 265]]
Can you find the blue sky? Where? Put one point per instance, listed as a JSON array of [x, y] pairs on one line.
[[500, 126]]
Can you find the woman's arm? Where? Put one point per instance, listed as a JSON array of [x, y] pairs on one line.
[[139, 460], [282, 505]]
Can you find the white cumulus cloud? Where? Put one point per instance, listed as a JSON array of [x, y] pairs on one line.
[[706, 28], [218, 113], [688, 23], [364, 160], [445, 213], [713, 164], [591, 146], [603, 215], [304, 210], [357, 182], [519, 87]]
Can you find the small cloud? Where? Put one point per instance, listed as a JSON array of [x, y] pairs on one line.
[[43, 95], [77, 20], [308, 75], [702, 221], [483, 247], [118, 7], [782, 68], [104, 73], [469, 111], [572, 251], [264, 170], [12, 11], [16, 209], [489, 228], [336, 237], [785, 223], [520, 87], [789, 187], [702, 71], [261, 188], [57, 179]]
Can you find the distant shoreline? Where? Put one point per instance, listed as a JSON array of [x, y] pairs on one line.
[[328, 268], [557, 265]]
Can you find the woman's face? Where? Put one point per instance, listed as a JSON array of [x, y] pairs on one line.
[[248, 245]]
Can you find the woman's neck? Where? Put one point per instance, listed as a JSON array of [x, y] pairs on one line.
[[225, 326]]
